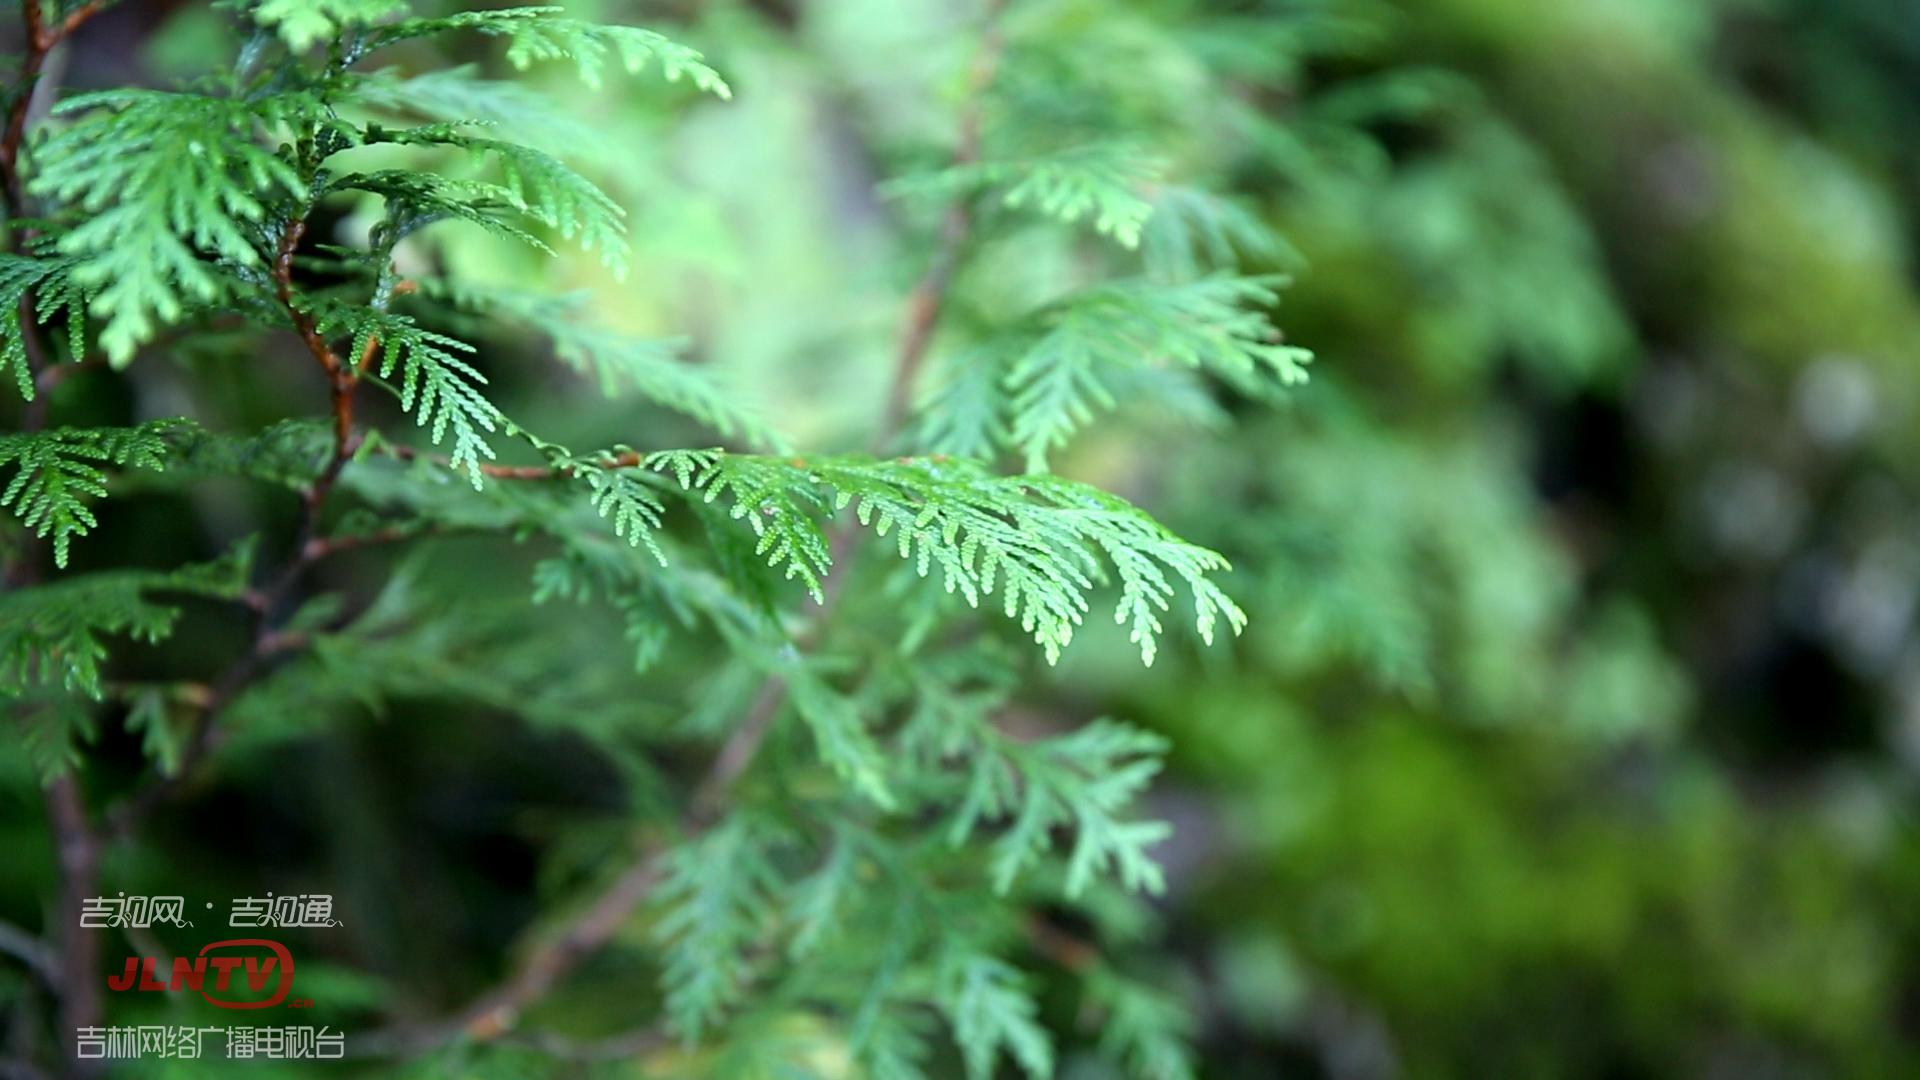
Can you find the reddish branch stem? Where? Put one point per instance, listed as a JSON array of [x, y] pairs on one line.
[[16, 129], [342, 378], [41, 40], [76, 845]]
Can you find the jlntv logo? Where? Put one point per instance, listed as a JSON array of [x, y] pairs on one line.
[[241, 971]]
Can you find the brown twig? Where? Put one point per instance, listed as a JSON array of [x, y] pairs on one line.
[[268, 643], [624, 460], [127, 818], [342, 378], [77, 849], [15, 133], [1062, 948], [39, 958], [495, 1012], [929, 296], [321, 547], [613, 1048], [54, 374]]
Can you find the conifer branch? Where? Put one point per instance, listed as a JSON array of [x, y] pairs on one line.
[[321, 547], [494, 1012], [924, 306], [222, 231]]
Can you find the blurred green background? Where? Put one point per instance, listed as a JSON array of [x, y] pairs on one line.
[[1577, 727]]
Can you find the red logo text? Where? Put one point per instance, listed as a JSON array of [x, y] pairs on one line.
[[256, 962]]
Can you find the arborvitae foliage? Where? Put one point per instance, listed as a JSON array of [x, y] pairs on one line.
[[866, 848]]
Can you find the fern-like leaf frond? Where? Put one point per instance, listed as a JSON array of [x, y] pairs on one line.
[[623, 496], [461, 96], [167, 181], [438, 387], [1041, 541], [545, 33], [540, 186], [987, 1002], [965, 414], [1104, 184], [58, 472], [51, 636], [622, 363], [50, 283], [417, 199], [303, 24], [1213, 324], [1193, 232], [1082, 780], [719, 897], [1144, 1026]]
